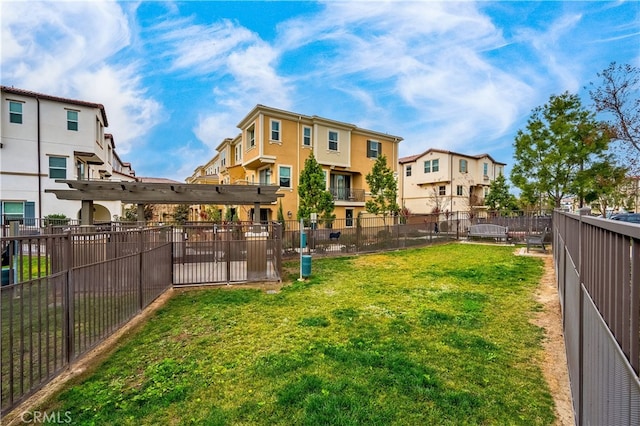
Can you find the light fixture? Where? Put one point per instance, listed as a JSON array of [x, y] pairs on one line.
[[289, 214]]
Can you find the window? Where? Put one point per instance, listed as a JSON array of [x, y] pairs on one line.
[[99, 133], [57, 167], [459, 190], [333, 140], [486, 191], [80, 170], [427, 166], [435, 165], [223, 158], [275, 130], [463, 166], [285, 176], [238, 151], [306, 136], [408, 171], [72, 120], [374, 149], [12, 210], [265, 176], [485, 169], [251, 136], [15, 112], [442, 190], [348, 217]]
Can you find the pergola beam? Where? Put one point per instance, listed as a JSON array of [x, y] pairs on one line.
[[164, 193]]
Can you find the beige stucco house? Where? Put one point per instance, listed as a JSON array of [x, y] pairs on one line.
[[440, 181]]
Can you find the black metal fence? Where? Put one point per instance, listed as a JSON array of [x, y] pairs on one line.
[[63, 294], [597, 263]]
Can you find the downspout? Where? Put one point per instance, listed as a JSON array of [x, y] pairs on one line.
[[298, 168], [451, 183], [39, 161]]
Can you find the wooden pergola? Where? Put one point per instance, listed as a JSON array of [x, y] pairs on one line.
[[142, 193]]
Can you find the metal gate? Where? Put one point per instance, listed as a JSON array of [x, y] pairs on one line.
[[216, 253]]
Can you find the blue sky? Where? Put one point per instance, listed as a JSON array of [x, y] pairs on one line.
[[177, 77]]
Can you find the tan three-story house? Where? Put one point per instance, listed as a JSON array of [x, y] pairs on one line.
[[274, 144]]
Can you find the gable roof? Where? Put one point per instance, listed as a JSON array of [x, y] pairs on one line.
[[37, 95], [413, 158], [309, 119]]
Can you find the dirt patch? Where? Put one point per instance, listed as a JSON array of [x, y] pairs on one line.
[[554, 363]]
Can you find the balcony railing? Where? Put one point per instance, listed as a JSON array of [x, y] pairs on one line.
[[347, 194]]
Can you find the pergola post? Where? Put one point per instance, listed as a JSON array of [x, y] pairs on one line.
[[86, 213], [140, 213]]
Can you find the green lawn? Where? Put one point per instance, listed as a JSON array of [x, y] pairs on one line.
[[438, 335]]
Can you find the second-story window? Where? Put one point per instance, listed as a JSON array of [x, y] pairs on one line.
[[374, 149], [72, 120], [57, 167], [408, 171], [275, 130], [459, 190], [442, 190], [15, 112], [485, 169], [333, 140], [265, 176], [306, 136], [251, 137], [463, 166], [80, 170], [431, 166], [238, 153]]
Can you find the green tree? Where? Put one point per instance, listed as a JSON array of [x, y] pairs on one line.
[[499, 197], [384, 189], [181, 213], [606, 185], [562, 139], [618, 97], [314, 198], [212, 214]]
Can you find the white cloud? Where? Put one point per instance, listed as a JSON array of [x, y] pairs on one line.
[[550, 45], [212, 129], [433, 55], [43, 41], [130, 111], [242, 63]]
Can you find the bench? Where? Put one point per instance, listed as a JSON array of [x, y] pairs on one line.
[[537, 240], [488, 230]]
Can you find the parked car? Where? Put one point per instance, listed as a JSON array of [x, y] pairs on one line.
[[627, 217]]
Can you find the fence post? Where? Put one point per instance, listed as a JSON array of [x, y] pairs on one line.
[[67, 296], [140, 269], [583, 211]]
